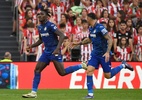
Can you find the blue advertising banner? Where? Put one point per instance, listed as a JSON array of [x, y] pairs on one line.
[[8, 76]]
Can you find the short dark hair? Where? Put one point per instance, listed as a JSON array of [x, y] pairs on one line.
[[123, 22], [62, 25], [84, 21], [92, 15], [47, 12]]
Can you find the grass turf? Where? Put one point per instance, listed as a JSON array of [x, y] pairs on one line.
[[74, 94]]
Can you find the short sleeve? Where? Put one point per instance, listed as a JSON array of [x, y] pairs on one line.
[[53, 27], [103, 30]]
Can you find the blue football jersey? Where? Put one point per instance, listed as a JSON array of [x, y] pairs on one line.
[[48, 36], [99, 42]]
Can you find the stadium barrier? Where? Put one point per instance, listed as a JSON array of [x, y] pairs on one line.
[[77, 80]]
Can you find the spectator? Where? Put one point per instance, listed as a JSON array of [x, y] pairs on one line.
[[64, 19], [25, 3], [71, 17], [7, 57], [84, 13], [114, 7], [52, 18], [85, 49], [120, 16], [135, 10], [131, 28], [140, 16], [88, 5], [123, 33], [58, 8], [28, 15], [127, 10], [104, 16], [123, 51], [77, 29], [99, 8], [29, 32], [66, 47], [138, 43], [111, 27]]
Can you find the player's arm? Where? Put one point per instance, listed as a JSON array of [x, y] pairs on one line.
[[109, 39], [86, 40], [61, 38], [37, 43]]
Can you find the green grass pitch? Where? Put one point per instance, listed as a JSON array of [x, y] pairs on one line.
[[74, 94]]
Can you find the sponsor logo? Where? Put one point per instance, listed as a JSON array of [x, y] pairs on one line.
[[93, 35], [44, 34]]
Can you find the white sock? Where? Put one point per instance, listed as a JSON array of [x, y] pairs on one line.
[[33, 91], [91, 94], [123, 65]]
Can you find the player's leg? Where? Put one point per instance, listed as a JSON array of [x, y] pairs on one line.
[[110, 72], [37, 75], [41, 64], [70, 69], [93, 64]]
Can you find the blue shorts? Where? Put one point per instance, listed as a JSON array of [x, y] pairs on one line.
[[47, 57], [95, 61]]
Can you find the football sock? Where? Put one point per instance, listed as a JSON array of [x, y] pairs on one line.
[[90, 85], [71, 69], [115, 70], [36, 81]]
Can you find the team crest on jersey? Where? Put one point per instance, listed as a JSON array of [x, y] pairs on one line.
[[94, 31], [45, 29]]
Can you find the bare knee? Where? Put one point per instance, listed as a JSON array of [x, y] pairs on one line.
[[90, 70], [37, 70]]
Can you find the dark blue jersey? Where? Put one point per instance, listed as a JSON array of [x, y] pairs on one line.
[[49, 38], [99, 42]]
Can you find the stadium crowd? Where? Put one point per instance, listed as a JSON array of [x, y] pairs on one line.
[[122, 19]]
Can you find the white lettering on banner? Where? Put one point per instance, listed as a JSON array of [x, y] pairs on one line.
[[126, 79], [106, 83], [75, 78], [139, 70]]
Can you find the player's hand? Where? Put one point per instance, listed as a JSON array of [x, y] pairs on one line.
[[75, 43], [28, 48], [56, 52], [107, 56]]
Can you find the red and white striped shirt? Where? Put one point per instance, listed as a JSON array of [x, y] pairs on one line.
[[76, 31], [138, 43], [91, 9], [29, 36], [68, 27], [58, 10], [127, 11], [113, 9], [85, 49], [123, 53]]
